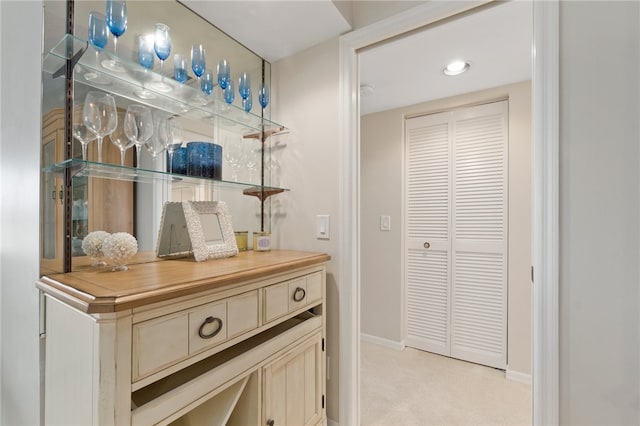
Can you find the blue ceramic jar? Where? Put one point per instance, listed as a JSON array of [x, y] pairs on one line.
[[204, 159]]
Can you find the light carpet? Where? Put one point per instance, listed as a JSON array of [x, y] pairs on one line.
[[412, 387]]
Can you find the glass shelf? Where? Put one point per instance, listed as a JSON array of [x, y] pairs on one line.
[[83, 168], [139, 85]]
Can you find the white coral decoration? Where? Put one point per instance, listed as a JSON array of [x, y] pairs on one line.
[[119, 247], [93, 242]]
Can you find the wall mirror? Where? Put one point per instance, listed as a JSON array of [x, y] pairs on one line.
[[210, 229], [134, 206]]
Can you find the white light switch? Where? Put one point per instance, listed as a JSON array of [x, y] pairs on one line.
[[323, 227], [385, 223]]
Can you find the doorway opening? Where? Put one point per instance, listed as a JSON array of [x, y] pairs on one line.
[[545, 208]]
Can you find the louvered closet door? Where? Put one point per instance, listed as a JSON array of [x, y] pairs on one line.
[[479, 235], [427, 304], [457, 203]]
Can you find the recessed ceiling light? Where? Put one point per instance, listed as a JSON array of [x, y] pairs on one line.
[[456, 68]]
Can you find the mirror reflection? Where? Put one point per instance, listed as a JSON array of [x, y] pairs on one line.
[[136, 207]]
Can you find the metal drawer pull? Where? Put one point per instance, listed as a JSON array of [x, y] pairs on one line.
[[299, 291], [209, 320], [271, 422], [426, 245]]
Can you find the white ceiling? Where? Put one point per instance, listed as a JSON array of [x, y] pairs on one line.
[[496, 41]]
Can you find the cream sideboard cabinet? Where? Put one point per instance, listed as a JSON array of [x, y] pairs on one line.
[[238, 341]]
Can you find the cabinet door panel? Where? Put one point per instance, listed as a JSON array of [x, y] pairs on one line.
[[294, 388]]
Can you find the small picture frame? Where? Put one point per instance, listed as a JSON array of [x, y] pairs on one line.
[[210, 229], [173, 237]]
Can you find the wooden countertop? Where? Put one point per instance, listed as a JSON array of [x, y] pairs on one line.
[[101, 290]]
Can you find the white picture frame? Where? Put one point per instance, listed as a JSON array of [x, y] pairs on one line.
[[210, 229]]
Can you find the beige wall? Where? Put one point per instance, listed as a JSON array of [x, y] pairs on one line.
[[381, 193], [305, 98]]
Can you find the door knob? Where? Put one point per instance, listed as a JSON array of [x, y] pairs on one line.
[[426, 245]]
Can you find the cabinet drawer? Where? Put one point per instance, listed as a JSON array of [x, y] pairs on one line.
[[163, 341], [288, 296], [219, 321], [159, 342]]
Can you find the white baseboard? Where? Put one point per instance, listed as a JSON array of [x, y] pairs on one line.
[[331, 422], [383, 342], [517, 376]]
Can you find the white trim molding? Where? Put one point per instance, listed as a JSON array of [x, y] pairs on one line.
[[392, 344], [546, 183], [517, 376]]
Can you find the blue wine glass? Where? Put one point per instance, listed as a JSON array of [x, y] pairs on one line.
[[198, 61], [247, 102], [98, 34], [162, 46], [97, 30], [244, 85], [263, 95], [207, 82], [224, 73], [229, 92], [116, 15], [146, 58], [146, 55], [180, 68]]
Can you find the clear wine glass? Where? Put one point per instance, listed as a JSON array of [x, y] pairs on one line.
[[116, 14], [224, 73], [250, 156], [232, 153], [244, 85], [198, 60], [172, 139], [80, 131], [146, 58], [263, 95], [98, 37], [120, 139], [100, 116], [162, 46], [180, 68], [138, 127]]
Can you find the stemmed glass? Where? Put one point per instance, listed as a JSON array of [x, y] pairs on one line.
[[98, 34], [244, 85], [229, 93], [198, 60], [162, 46], [120, 139], [232, 152], [207, 82], [100, 116], [172, 137], [80, 131], [180, 68], [117, 22], [247, 103], [138, 127], [146, 59], [263, 95], [224, 73]]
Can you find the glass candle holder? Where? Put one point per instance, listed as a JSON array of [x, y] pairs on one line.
[[179, 165], [242, 240], [261, 241], [204, 159]]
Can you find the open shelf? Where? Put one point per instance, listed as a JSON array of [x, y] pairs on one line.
[[132, 174], [179, 99]]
